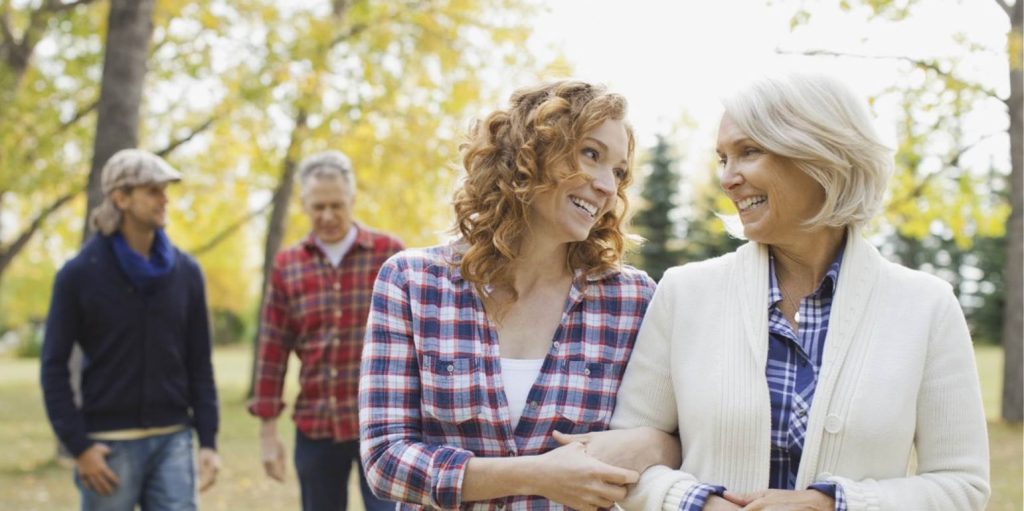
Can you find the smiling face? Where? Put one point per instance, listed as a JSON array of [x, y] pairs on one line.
[[774, 197], [568, 213], [327, 201]]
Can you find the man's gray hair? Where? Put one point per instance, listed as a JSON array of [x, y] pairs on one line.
[[326, 164]]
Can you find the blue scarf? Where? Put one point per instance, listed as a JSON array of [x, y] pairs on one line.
[[144, 273]]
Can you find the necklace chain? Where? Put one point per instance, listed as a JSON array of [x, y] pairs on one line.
[[789, 298]]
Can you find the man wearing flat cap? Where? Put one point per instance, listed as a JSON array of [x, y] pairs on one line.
[[137, 307]]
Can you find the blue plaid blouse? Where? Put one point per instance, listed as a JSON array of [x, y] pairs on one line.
[[430, 390], [794, 359]]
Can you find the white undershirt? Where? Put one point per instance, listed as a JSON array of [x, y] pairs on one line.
[[519, 375], [336, 251]]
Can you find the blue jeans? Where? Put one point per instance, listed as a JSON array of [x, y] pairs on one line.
[[323, 467], [156, 473]]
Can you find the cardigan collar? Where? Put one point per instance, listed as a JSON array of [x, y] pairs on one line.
[[861, 264]]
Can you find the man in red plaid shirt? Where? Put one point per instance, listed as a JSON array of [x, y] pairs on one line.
[[316, 305]]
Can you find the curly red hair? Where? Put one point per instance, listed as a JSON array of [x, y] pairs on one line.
[[513, 155]]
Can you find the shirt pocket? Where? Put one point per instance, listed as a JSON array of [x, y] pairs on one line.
[[589, 394], [450, 388]]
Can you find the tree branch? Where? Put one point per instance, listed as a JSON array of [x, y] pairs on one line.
[[8, 253], [353, 31], [56, 6], [61, 128], [1007, 8], [5, 28], [78, 116], [952, 162], [229, 230], [923, 64], [178, 142]]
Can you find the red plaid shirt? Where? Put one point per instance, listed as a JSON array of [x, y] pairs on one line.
[[318, 311]]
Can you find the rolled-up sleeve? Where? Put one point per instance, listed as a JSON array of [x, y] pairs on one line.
[[276, 339], [399, 465]]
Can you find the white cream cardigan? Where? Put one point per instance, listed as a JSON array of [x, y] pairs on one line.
[[898, 375]]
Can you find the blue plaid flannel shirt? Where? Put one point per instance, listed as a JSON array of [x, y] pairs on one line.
[[792, 370]]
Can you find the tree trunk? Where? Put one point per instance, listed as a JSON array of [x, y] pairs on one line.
[[1013, 333], [276, 228], [129, 29]]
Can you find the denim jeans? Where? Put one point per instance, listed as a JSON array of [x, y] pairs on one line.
[[323, 467], [156, 473]]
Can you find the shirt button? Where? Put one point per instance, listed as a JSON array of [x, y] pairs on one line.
[[334, 373], [586, 371], [501, 505], [332, 401], [801, 411], [337, 286], [534, 404], [555, 345], [451, 368], [833, 423]]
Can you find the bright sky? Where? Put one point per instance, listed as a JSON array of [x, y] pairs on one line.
[[676, 59]]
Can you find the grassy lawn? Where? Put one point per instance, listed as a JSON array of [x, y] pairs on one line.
[[30, 480]]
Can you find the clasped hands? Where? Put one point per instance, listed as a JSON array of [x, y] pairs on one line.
[[771, 500], [639, 448]]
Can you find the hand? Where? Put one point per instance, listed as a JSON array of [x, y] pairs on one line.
[[634, 449], [783, 500], [569, 476], [272, 454], [716, 503], [209, 466], [94, 472]]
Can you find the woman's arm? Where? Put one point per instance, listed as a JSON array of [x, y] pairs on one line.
[[635, 448], [398, 465], [566, 475], [646, 399], [401, 467], [951, 438]]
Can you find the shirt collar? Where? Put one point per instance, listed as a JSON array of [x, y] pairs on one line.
[[826, 288], [363, 239]]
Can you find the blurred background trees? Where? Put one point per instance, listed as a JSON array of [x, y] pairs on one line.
[[234, 93]]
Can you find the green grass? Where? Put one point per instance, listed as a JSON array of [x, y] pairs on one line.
[[31, 481]]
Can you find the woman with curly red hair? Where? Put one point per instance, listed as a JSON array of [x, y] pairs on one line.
[[480, 351]]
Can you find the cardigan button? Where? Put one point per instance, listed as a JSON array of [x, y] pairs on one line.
[[833, 424]]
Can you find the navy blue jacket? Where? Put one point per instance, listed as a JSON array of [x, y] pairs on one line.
[[147, 356]]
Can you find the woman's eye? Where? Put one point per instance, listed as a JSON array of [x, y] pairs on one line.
[[591, 153], [722, 160], [750, 151], [620, 174]]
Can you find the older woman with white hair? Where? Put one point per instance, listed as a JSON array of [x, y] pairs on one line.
[[803, 370]]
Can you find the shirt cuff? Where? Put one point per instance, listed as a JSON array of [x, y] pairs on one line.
[[696, 496], [832, 490], [451, 468]]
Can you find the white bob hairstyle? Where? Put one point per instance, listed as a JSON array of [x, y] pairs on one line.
[[820, 125], [326, 165]]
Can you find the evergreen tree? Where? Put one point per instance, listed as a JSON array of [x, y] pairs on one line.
[[653, 221]]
